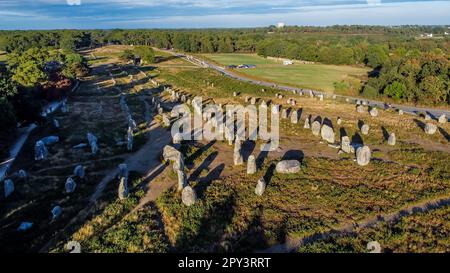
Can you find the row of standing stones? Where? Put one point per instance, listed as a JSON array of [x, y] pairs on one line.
[[41, 153], [318, 128]]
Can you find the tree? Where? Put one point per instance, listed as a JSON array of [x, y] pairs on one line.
[[29, 74], [7, 87], [75, 66], [395, 90], [7, 116], [146, 53], [377, 56]]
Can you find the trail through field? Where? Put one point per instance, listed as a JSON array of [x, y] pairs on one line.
[[292, 244]]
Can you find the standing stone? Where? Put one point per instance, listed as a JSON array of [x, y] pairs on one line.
[[40, 151], [392, 139], [123, 188], [373, 112], [339, 121], [237, 156], [22, 174], [49, 140], [64, 107], [251, 165], [177, 138], [345, 145], [132, 123], [275, 109], [56, 212], [172, 154], [443, 119], [253, 101], [130, 139], [264, 104], [430, 128], [70, 185], [365, 129], [166, 120], [56, 123], [182, 180], [260, 187], [24, 226], [294, 117], [288, 166], [327, 133], [79, 171], [93, 143], [315, 128], [307, 123], [293, 102], [284, 113], [400, 112], [360, 109], [8, 185], [320, 97], [188, 196], [427, 117], [363, 155], [246, 99]]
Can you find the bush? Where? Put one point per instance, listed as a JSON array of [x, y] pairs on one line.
[[370, 91]]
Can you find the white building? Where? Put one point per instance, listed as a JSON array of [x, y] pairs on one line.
[[288, 62]]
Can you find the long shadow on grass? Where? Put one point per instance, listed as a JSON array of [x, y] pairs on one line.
[[204, 234], [385, 133], [444, 134], [420, 124], [253, 237], [203, 166]]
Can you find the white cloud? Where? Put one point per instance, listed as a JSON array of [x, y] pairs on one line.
[[73, 2]]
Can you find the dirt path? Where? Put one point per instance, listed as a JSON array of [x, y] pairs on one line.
[[292, 244]]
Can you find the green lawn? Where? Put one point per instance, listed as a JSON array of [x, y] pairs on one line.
[[314, 76]]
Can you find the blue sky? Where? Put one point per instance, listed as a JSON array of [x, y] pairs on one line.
[[51, 14]]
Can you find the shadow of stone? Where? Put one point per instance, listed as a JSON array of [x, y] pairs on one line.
[[213, 174], [189, 160], [360, 124], [385, 133], [420, 123], [299, 113], [357, 139], [211, 227], [342, 132], [269, 174], [260, 159], [254, 236], [444, 134], [293, 155], [327, 121], [247, 148], [203, 166], [318, 119]]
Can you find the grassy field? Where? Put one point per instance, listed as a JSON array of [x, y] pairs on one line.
[[331, 191], [423, 232], [314, 76], [3, 56]]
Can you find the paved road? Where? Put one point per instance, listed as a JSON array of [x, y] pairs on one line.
[[434, 113]]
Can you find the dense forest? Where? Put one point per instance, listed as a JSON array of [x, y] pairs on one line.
[[405, 66]]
